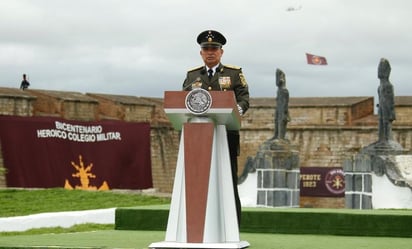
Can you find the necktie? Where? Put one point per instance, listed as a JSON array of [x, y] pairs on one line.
[[210, 73]]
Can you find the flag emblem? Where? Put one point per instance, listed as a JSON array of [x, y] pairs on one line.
[[316, 60]]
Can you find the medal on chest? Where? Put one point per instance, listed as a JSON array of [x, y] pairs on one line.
[[224, 82]]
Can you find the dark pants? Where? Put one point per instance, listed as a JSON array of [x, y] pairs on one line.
[[234, 147]]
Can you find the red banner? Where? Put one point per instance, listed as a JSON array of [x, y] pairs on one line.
[[322, 182], [46, 152], [316, 60]]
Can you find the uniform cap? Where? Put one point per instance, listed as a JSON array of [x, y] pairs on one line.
[[211, 38]]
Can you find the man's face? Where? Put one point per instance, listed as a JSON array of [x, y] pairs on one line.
[[211, 56]]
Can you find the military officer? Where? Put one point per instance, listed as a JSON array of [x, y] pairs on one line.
[[214, 76]]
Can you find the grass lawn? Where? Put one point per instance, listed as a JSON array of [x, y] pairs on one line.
[[142, 239], [23, 202], [17, 202]]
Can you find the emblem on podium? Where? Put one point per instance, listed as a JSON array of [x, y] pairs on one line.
[[198, 101]]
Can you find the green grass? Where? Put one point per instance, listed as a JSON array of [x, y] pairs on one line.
[[21, 202], [142, 239], [57, 230], [17, 202]]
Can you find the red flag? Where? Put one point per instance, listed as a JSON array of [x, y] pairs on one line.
[[316, 60]]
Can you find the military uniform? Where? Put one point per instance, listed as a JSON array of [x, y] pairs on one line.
[[225, 78]]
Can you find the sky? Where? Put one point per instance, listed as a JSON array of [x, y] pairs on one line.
[[145, 47]]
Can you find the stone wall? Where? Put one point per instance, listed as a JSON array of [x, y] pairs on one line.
[[403, 111], [68, 105], [16, 102], [94, 106], [336, 130], [325, 130]]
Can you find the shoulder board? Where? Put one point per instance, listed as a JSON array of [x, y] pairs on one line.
[[232, 67], [195, 68]]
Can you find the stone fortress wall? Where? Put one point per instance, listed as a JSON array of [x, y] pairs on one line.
[[326, 130]]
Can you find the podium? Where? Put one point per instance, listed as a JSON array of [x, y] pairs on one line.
[[203, 210]]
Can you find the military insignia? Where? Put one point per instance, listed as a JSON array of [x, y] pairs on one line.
[[198, 101], [242, 80], [195, 68], [225, 82], [196, 84], [335, 181], [84, 174], [232, 67], [210, 36]]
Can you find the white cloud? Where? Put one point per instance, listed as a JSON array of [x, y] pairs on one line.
[[145, 47]]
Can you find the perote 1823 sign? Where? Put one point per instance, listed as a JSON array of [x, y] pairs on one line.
[[322, 182]]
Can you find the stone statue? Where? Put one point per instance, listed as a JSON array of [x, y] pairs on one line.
[[282, 104], [386, 114], [386, 106], [277, 160]]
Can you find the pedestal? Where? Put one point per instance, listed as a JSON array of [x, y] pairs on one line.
[[203, 211], [378, 177], [278, 174]]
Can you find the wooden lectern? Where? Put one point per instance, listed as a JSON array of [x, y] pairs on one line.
[[202, 211]]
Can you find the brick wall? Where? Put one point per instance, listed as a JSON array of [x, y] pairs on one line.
[[325, 135], [326, 130], [164, 147], [16, 102], [68, 105]]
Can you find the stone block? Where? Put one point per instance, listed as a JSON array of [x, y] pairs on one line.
[[349, 182], [366, 202], [292, 180], [362, 163], [259, 178], [347, 165], [356, 201], [261, 198], [367, 183], [278, 198], [358, 183], [274, 179], [348, 200], [279, 179], [295, 195]]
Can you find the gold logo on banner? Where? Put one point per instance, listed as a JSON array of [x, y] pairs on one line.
[[84, 173], [335, 181]]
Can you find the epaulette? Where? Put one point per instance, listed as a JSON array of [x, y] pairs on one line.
[[232, 67], [194, 69]]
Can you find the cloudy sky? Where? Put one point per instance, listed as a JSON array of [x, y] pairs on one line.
[[145, 47]]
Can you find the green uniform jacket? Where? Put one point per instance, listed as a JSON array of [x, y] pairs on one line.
[[229, 78]]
